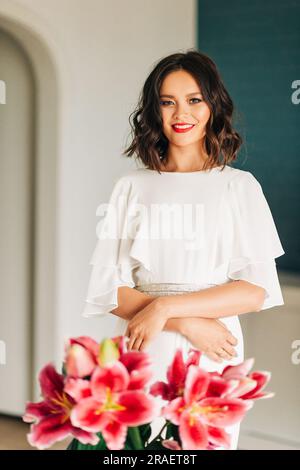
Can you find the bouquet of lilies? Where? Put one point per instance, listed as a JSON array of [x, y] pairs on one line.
[[104, 400]]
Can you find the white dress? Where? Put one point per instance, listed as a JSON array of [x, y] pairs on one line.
[[230, 235]]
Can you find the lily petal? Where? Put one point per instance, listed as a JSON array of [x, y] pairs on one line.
[[88, 343], [78, 388], [138, 365], [218, 437], [160, 389], [261, 378], [139, 408], [173, 410], [219, 387], [113, 377], [194, 357], [85, 437], [88, 416], [193, 432], [49, 430], [223, 412], [36, 410], [196, 384], [171, 444], [245, 386], [239, 371], [79, 361], [176, 372], [114, 434], [51, 382]]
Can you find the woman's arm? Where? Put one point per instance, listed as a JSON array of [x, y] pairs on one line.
[[208, 335], [131, 301], [233, 298]]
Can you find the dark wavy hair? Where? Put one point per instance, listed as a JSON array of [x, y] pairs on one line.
[[149, 144]]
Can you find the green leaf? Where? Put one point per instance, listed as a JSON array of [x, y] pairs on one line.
[[134, 438], [145, 431]]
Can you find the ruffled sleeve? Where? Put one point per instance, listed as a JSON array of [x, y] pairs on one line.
[[117, 252], [256, 243]]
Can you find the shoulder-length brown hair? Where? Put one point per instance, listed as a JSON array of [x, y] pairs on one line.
[[149, 143]]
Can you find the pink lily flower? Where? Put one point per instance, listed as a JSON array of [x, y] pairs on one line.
[[78, 388], [138, 365], [241, 384], [51, 417], [121, 343], [198, 416], [81, 356], [217, 436], [176, 375], [112, 407], [171, 444], [261, 378], [239, 371]]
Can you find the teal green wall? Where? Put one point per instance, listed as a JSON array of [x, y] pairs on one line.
[[256, 46]]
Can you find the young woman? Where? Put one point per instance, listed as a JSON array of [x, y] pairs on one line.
[[200, 242]]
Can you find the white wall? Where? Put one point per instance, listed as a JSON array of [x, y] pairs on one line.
[[106, 50]]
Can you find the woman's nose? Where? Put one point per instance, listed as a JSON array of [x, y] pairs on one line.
[[182, 116]]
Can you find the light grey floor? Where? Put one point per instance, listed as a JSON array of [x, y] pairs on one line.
[[13, 435]]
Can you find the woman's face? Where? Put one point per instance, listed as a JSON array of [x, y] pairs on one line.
[[181, 101]]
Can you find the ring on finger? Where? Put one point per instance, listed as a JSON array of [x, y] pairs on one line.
[[131, 342], [223, 353]]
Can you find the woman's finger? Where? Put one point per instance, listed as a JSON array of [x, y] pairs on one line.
[[220, 352], [222, 324], [127, 332], [229, 349], [145, 345], [232, 340], [138, 343], [215, 357], [130, 345], [224, 354]]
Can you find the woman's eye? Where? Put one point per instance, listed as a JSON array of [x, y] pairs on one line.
[[163, 103]]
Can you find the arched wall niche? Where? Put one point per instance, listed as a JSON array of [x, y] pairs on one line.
[[49, 73]]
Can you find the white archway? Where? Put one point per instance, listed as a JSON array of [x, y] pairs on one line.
[[49, 72]]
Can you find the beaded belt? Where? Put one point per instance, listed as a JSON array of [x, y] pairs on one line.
[[169, 288]]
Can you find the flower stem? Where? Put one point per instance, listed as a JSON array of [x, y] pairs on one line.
[[158, 435], [135, 438]]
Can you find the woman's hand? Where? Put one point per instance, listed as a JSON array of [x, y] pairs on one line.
[[145, 326], [211, 336]]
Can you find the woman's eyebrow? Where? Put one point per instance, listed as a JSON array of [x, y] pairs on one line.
[[190, 94]]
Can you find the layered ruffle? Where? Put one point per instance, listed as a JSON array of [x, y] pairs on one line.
[[250, 236], [121, 247]]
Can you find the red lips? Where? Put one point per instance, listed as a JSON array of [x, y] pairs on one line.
[[180, 130]]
